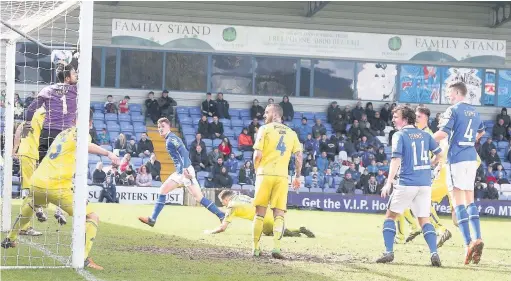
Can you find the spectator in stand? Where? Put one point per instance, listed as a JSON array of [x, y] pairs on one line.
[[198, 141], [347, 114], [252, 127], [485, 149], [145, 146], [222, 107], [213, 156], [216, 129], [365, 126], [378, 125], [232, 164], [331, 150], [98, 176], [371, 187], [307, 165], [18, 110], [30, 99], [328, 179], [223, 179], [114, 175], [303, 130], [224, 149], [391, 133], [110, 106], [131, 149], [166, 105], [435, 122], [333, 112], [103, 137], [348, 185], [380, 155], [152, 108], [93, 135], [490, 176], [355, 132], [356, 113], [217, 167], [385, 113], [493, 159], [120, 145], [322, 163], [199, 158], [392, 107], [335, 167], [245, 142], [503, 115], [355, 174], [109, 191], [125, 162], [208, 106], [18, 100], [124, 105], [315, 178], [363, 144], [385, 167], [203, 127], [491, 192], [500, 172], [246, 174], [271, 101], [323, 144], [380, 178], [318, 129], [499, 131], [372, 168], [368, 156], [287, 108], [154, 167], [256, 111], [144, 178], [339, 124], [347, 146], [364, 178], [479, 190], [129, 176], [310, 144], [369, 111]]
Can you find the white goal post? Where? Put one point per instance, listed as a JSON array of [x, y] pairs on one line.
[[19, 20]]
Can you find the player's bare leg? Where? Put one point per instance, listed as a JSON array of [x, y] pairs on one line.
[[165, 188], [278, 231]]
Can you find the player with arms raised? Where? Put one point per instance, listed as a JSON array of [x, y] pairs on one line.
[[459, 125], [184, 175], [242, 206], [52, 182], [410, 156], [274, 145]]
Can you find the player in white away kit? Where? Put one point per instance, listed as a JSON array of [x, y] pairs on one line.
[[410, 156], [459, 124]]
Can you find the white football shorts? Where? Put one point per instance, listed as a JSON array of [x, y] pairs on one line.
[[462, 175], [418, 198]]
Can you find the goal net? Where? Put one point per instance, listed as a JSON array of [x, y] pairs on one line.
[[38, 39]]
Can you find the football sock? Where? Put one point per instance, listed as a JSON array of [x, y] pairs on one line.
[[91, 228], [278, 230], [400, 227], [257, 231], [23, 219], [412, 221], [212, 208], [473, 217], [389, 232], [462, 218], [160, 203], [435, 220], [428, 230]]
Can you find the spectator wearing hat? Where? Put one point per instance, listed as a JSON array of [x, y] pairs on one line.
[[124, 105], [333, 112], [303, 130], [166, 104], [222, 107], [208, 106], [152, 108], [318, 129], [503, 115]]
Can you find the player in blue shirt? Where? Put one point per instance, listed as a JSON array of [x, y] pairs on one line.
[[410, 156], [180, 156], [459, 125]]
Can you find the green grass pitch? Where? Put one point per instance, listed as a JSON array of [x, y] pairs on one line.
[[176, 249]]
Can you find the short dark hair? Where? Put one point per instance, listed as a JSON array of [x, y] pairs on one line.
[[151, 92], [109, 96], [224, 194], [127, 97], [208, 94], [423, 110], [63, 72], [165, 91], [304, 118], [460, 87], [407, 113]]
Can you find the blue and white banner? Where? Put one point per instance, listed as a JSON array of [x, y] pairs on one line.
[[504, 91], [472, 77], [489, 87], [375, 204], [419, 84]]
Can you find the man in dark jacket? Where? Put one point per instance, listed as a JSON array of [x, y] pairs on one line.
[[216, 129], [198, 141], [154, 167], [491, 192], [355, 132], [348, 185], [199, 158], [333, 112], [222, 107], [252, 127], [318, 129], [378, 125], [166, 104], [208, 106], [152, 108], [503, 115], [485, 149], [287, 108], [203, 127], [357, 112], [145, 146], [499, 131], [493, 159]]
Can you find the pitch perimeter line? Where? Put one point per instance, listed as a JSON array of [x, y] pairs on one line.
[[82, 272]]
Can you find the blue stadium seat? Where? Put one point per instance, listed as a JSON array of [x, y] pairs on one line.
[[489, 123], [309, 115], [502, 145], [247, 154], [321, 116], [229, 133], [245, 114], [236, 186], [113, 135], [289, 124], [93, 159], [188, 131], [127, 128], [316, 190], [137, 118], [298, 115], [234, 177], [308, 181], [208, 142], [195, 116], [183, 110], [124, 117], [92, 167], [189, 138], [186, 121], [156, 184], [123, 123], [99, 125], [234, 142], [202, 175], [136, 161], [188, 142], [234, 113], [98, 106], [348, 127], [135, 107], [107, 147], [112, 122], [138, 136], [246, 122], [236, 124], [113, 127], [216, 142], [139, 128], [195, 111], [110, 117], [98, 116], [226, 122]]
